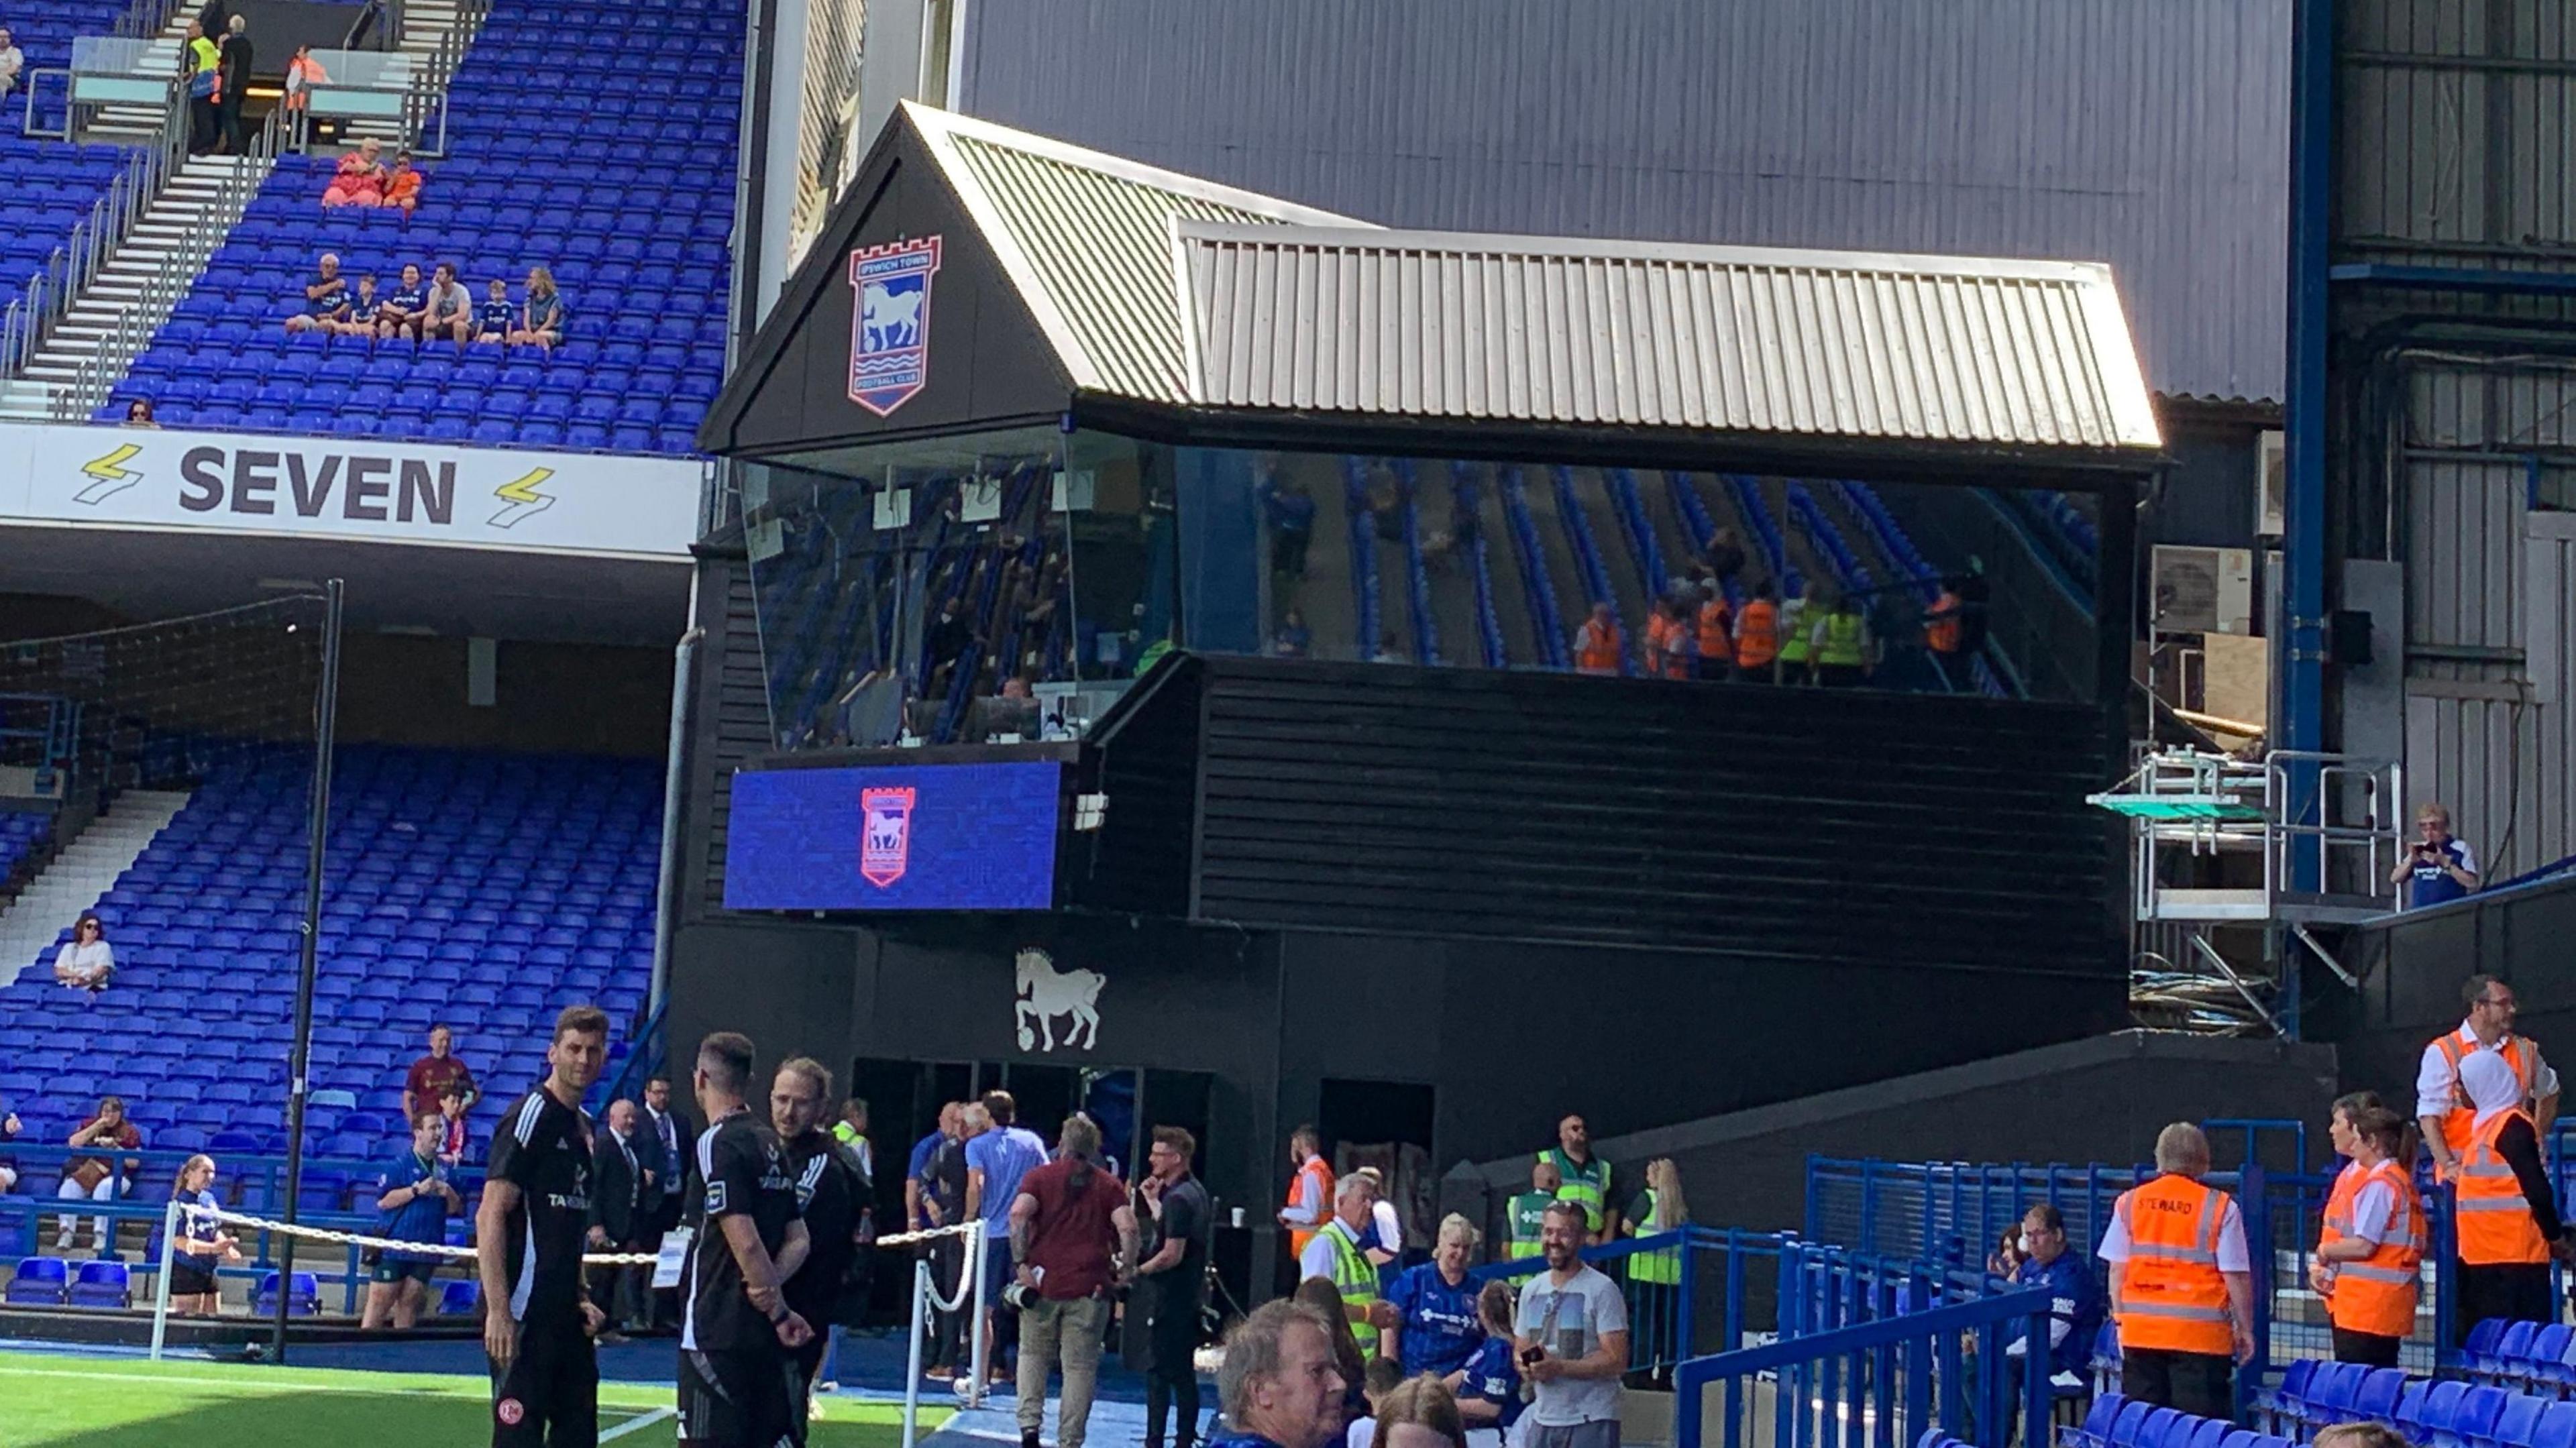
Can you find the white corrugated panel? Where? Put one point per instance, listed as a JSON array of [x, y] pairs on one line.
[[1728, 339]]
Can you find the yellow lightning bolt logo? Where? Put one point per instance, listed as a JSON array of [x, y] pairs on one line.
[[520, 498], [108, 475]]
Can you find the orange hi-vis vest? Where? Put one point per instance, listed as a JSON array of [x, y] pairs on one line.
[[2492, 1220], [1757, 634], [1941, 631], [1596, 648], [1673, 656], [1659, 639], [1714, 643], [2171, 1294], [2519, 1053], [2376, 1294], [1322, 1171]]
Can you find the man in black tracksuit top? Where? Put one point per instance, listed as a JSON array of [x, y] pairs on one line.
[[738, 1384], [537, 1320], [832, 1193]]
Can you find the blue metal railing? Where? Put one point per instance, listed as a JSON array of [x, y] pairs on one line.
[[1878, 1382]]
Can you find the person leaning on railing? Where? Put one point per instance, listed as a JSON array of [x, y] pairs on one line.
[[2181, 1284]]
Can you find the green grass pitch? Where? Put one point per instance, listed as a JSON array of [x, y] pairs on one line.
[[86, 1402]]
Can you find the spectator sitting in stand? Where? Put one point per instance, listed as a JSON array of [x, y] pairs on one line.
[[493, 321], [366, 311], [429, 1076], [12, 61], [1293, 640], [326, 298], [86, 962], [541, 318], [451, 308], [2438, 867], [10, 1126], [402, 187], [406, 306], [360, 178], [138, 413], [99, 1179]]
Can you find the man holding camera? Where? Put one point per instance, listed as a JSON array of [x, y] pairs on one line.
[[2438, 867], [1073, 1243]]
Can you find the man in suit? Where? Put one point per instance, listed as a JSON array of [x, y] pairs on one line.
[[617, 1220], [666, 1150]]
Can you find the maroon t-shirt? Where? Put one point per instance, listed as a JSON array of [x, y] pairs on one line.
[[1074, 1237], [429, 1077]]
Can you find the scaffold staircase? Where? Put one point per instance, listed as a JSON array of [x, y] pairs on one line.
[[2243, 870]]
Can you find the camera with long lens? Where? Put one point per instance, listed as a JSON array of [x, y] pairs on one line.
[[1019, 1296]]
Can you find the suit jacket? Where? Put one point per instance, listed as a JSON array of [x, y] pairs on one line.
[[617, 1187], [672, 1169]]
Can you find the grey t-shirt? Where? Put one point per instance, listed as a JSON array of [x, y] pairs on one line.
[[1569, 1321]]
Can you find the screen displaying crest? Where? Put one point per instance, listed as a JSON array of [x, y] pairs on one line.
[[912, 837]]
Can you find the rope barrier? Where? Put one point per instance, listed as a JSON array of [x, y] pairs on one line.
[[926, 1234], [388, 1244]]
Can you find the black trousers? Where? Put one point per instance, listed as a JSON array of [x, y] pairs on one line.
[[2366, 1347], [2515, 1291], [1172, 1380], [203, 122], [2199, 1383], [230, 112]]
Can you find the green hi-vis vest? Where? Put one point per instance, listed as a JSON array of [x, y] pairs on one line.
[[1664, 1264], [1842, 640], [1356, 1276], [1528, 1213], [1796, 630], [1586, 1186]]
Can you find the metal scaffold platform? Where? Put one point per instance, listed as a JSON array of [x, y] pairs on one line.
[[2240, 867]]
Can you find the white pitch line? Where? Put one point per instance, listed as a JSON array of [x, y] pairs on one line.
[[467, 1392], [657, 1415]]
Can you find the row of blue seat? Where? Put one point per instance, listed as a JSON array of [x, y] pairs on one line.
[[2445, 1414], [2535, 1355], [105, 1283], [2115, 1421]]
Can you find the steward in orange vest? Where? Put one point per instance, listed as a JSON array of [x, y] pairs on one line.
[[1716, 635], [2371, 1249], [2181, 1283], [2504, 1215], [1597, 643], [1757, 636], [2442, 1106], [1310, 1191]]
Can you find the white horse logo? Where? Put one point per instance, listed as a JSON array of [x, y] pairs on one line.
[[892, 319], [1046, 993]]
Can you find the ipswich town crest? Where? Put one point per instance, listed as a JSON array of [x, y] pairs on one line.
[[885, 834], [890, 322]]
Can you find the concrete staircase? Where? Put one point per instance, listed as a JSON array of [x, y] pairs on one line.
[[84, 870]]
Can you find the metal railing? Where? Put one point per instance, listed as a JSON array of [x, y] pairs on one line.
[[71, 268], [419, 102], [146, 19], [97, 373]]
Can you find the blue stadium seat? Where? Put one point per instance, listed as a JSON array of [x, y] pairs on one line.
[[2557, 1428], [2473, 1419], [2201, 1433], [40, 1282], [101, 1284], [2517, 1425], [304, 1297], [457, 1299], [2378, 1394], [2157, 1427], [2409, 1412]]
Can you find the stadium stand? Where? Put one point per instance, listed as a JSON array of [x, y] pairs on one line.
[[22, 834], [52, 187], [491, 889], [643, 264]]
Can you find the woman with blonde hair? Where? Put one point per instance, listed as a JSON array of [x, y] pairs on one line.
[[541, 316], [1435, 1304], [1657, 1273], [201, 1244]]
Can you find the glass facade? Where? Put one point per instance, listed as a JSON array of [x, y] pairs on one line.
[[1006, 585]]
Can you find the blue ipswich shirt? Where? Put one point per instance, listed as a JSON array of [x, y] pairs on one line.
[[1438, 1321], [1493, 1377], [422, 1219], [2426, 885], [2075, 1299], [494, 316], [1004, 1155], [198, 1223]]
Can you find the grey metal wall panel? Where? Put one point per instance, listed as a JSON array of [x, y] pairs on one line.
[[2153, 136]]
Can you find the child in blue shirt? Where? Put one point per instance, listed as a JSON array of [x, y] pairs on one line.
[[1488, 1388], [496, 318]]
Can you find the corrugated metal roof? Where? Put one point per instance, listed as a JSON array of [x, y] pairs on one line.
[[2153, 136], [1730, 339], [1087, 239]]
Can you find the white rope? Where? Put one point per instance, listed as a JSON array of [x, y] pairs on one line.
[[927, 1234], [388, 1244]]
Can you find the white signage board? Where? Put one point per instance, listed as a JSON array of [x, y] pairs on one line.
[[358, 488]]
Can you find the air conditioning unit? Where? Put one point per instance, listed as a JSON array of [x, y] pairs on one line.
[[2203, 590], [2271, 491]]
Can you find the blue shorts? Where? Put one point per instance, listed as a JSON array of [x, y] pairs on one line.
[[997, 1268], [389, 1270]]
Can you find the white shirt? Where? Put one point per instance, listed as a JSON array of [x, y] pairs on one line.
[[76, 955], [2436, 1082], [1317, 1259], [2231, 1241], [1390, 1231]]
